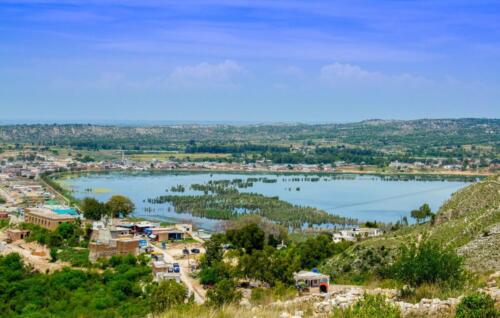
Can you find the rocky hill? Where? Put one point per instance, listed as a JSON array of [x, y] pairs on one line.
[[468, 222]]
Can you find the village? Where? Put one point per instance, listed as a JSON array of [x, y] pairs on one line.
[[174, 250], [33, 213]]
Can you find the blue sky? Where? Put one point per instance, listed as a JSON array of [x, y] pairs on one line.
[[248, 60]]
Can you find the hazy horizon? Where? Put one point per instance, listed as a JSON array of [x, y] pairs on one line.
[[139, 122]]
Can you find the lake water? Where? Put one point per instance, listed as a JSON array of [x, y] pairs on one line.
[[364, 197]]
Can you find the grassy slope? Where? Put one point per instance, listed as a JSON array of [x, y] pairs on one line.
[[464, 218]]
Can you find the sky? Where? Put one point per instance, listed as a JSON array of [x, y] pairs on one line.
[[248, 60]]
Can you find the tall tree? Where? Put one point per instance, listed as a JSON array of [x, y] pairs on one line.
[[93, 209], [119, 205]]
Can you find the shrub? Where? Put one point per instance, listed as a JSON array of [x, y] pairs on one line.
[[167, 294], [478, 305], [53, 254], [260, 295], [428, 263], [370, 306], [224, 292]]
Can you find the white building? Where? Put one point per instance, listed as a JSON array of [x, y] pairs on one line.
[[355, 233]]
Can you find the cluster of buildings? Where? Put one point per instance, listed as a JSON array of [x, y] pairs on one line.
[[119, 237], [20, 166]]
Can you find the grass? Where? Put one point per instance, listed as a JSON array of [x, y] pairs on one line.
[[231, 311]]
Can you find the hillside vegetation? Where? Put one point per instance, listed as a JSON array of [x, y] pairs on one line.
[[468, 222], [428, 132]]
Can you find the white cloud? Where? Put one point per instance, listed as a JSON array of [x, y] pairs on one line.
[[338, 73], [207, 74]]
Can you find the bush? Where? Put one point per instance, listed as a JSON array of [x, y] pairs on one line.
[[167, 294], [224, 292], [428, 263], [370, 306], [478, 305]]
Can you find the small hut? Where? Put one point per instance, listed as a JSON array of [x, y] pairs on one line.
[[312, 279]]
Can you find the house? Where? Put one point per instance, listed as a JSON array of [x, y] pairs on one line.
[[16, 235], [313, 279], [140, 227], [185, 227], [47, 218], [101, 232], [161, 234], [116, 246], [355, 233]]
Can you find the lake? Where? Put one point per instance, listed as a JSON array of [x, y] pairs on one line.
[[364, 197]]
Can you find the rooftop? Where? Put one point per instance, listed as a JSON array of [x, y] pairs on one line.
[[46, 213]]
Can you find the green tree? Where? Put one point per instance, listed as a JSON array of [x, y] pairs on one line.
[[251, 237], [119, 205], [422, 213], [224, 292], [167, 294], [93, 209]]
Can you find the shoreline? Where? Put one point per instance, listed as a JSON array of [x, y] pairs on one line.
[[457, 174]]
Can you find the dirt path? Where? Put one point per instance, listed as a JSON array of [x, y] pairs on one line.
[[193, 286]]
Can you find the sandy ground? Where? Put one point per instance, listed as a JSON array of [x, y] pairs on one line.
[[26, 250]]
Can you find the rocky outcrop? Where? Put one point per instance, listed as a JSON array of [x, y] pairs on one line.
[[346, 296], [482, 253]]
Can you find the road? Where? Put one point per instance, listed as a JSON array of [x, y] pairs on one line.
[[186, 279]]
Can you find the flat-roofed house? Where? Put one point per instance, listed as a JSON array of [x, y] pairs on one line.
[[356, 233], [47, 218], [117, 246], [312, 280], [161, 234]]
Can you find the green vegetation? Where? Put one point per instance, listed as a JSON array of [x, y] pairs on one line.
[[4, 223], [66, 235], [370, 306], [120, 206], [477, 305], [423, 213], [462, 219], [116, 206], [167, 294], [375, 142], [2, 200], [67, 243], [258, 258], [428, 263], [226, 203], [77, 257], [224, 292], [117, 292]]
